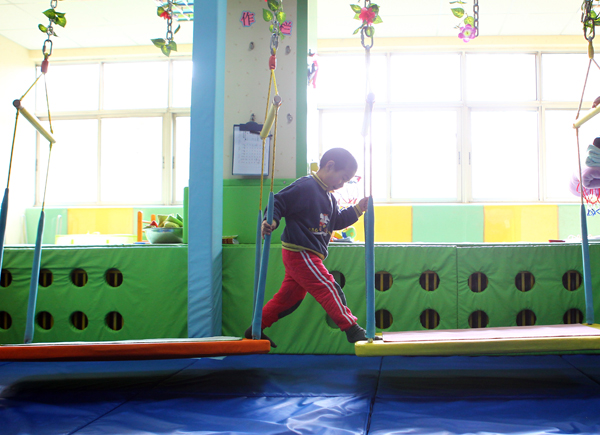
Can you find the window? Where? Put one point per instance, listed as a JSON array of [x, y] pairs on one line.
[[122, 133], [460, 126]]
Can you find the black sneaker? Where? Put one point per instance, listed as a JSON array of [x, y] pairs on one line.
[[263, 336], [356, 333]]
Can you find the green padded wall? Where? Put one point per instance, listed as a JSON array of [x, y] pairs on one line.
[[152, 298], [502, 300], [569, 222], [448, 223], [32, 218], [307, 330], [241, 201]]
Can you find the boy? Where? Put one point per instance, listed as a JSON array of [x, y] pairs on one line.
[[311, 214]]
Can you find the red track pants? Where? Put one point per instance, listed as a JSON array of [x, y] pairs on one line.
[[305, 272]]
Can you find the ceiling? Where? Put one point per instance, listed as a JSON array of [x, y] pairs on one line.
[[113, 23]]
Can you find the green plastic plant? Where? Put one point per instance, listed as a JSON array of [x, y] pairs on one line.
[[57, 18], [467, 22], [166, 45], [275, 13]]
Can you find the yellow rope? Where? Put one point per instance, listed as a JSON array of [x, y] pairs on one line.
[[262, 162]]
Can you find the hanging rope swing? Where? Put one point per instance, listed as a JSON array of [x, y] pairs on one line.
[[276, 16]]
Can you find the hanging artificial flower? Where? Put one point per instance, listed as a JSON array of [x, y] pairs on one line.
[[164, 14], [368, 16], [466, 26], [467, 33]]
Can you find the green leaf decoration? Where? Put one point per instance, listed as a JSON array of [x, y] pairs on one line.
[[160, 10], [271, 28], [459, 2], [50, 13], [172, 46], [281, 35], [281, 17], [593, 14], [62, 22], [458, 12], [375, 8], [274, 5], [166, 50], [357, 30], [357, 16], [158, 42], [470, 20], [369, 31], [356, 8], [377, 20], [43, 28], [267, 15], [177, 30], [60, 14]]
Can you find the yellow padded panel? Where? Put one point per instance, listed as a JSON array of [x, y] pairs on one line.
[[100, 220], [393, 224], [520, 223]]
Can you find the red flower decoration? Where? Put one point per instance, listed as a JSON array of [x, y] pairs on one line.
[[367, 15], [165, 15]]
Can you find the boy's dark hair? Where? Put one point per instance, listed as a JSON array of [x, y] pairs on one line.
[[341, 157]]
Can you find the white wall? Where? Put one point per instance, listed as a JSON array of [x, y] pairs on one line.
[[247, 81], [17, 74]]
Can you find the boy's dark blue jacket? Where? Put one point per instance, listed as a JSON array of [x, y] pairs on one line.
[[311, 215]]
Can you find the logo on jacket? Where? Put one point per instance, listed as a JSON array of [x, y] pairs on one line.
[[323, 221]]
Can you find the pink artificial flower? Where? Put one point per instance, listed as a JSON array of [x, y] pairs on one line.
[[467, 33], [165, 15], [367, 15]]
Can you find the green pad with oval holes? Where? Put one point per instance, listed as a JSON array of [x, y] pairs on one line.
[[150, 295], [517, 284], [307, 331]]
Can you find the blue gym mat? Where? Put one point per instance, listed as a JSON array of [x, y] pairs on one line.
[[304, 394]]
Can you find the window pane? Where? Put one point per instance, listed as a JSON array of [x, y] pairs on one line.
[[342, 79], [139, 85], [563, 77], [343, 129], [70, 88], [504, 156], [131, 163], [561, 151], [501, 77], [182, 83], [182, 155], [416, 77], [73, 176], [424, 164]]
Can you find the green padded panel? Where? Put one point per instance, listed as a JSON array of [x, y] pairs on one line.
[[241, 199], [447, 223], [32, 218], [152, 297], [502, 300], [306, 331], [569, 222]]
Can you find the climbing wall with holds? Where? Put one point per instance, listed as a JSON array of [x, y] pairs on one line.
[[420, 287]]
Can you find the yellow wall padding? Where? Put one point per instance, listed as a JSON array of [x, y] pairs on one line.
[[100, 220], [520, 223], [393, 224]]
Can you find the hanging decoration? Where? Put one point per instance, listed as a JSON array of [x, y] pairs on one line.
[[54, 18], [469, 25], [276, 16], [168, 44], [369, 15]]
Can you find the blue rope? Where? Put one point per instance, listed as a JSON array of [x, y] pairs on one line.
[[369, 220], [3, 215], [264, 265], [33, 286], [257, 256], [587, 272]]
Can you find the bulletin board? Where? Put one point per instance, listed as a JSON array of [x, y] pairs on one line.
[[247, 150]]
